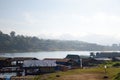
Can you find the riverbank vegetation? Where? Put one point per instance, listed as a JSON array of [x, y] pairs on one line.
[[19, 43]]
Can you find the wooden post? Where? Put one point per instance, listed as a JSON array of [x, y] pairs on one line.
[[81, 63], [25, 71], [105, 69]]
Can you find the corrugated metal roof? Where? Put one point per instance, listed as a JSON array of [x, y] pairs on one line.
[[104, 59], [72, 56], [118, 58], [58, 59], [39, 63], [23, 58]]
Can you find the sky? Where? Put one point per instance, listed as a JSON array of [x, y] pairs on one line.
[[95, 21]]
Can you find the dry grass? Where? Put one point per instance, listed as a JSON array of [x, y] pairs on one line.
[[81, 74], [23, 78], [84, 76], [76, 74]]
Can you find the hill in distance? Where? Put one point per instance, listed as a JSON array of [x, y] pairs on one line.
[[19, 43]]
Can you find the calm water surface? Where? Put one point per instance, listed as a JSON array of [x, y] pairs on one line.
[[42, 55]]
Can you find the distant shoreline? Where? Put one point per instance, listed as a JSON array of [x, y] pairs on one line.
[[56, 50]]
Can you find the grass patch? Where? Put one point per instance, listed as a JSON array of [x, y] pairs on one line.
[[111, 73], [117, 77]]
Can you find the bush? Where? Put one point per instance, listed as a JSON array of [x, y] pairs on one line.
[[116, 65], [117, 77]]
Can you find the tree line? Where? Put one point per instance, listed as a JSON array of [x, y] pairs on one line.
[[19, 43]]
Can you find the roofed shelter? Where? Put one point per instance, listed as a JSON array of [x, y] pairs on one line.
[[75, 58], [105, 54], [33, 67], [18, 61], [59, 61]]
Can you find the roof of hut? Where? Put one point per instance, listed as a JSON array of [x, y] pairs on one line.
[[39, 63], [117, 58], [23, 58], [5, 58], [72, 56], [58, 59]]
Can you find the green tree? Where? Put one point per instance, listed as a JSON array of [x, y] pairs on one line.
[[12, 33]]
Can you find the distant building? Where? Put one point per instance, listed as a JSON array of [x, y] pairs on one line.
[[75, 58], [103, 59], [105, 54], [88, 62]]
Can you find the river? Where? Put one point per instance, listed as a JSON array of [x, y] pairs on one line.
[[45, 54]]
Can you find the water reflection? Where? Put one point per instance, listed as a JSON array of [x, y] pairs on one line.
[[42, 55]]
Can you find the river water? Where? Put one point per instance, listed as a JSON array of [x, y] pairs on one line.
[[42, 55]]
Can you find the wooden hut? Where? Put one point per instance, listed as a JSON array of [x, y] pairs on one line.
[[5, 62], [60, 61], [18, 61], [75, 58]]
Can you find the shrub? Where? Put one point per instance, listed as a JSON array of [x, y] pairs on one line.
[[117, 77], [116, 65]]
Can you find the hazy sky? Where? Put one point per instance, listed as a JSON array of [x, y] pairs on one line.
[[96, 21]]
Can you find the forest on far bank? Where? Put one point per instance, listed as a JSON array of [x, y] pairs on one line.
[[20, 43]]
